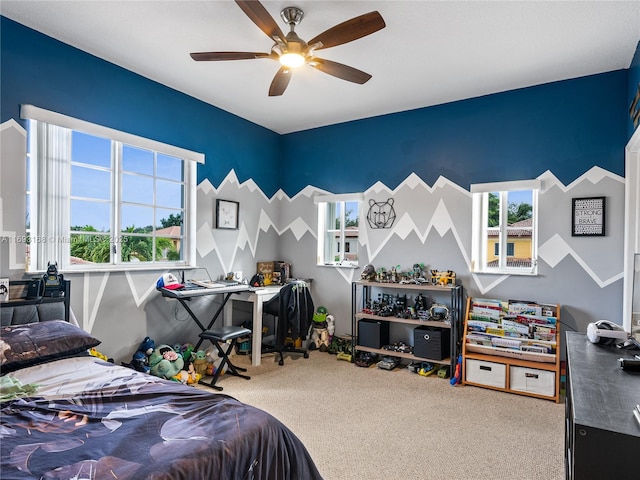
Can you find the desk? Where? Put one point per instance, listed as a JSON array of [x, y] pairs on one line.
[[257, 296], [183, 296]]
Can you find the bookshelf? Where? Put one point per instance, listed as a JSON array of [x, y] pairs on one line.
[[513, 347]]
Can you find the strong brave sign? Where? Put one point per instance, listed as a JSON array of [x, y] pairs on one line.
[[588, 216]]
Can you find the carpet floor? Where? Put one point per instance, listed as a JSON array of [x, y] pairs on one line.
[[368, 423]]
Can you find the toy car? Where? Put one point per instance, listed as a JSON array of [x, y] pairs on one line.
[[427, 369], [388, 363], [366, 359]]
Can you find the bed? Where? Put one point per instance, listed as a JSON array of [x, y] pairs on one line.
[[69, 415]]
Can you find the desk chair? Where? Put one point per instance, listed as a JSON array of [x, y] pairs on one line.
[[219, 335], [292, 309]]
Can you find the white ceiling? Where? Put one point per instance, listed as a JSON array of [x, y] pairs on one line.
[[431, 52]]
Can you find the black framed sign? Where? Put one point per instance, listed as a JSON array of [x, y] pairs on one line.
[[227, 213], [588, 217]]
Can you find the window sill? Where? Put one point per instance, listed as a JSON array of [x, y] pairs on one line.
[[505, 272], [117, 269], [338, 265]]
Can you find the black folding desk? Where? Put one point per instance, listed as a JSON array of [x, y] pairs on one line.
[[185, 295]]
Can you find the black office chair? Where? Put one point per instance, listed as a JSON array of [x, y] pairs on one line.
[[292, 309]]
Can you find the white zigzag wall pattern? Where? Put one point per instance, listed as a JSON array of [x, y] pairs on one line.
[[552, 251]]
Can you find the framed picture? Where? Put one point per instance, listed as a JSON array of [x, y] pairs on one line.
[[227, 214], [588, 217]]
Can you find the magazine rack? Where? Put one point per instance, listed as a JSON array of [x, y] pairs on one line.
[[499, 365]]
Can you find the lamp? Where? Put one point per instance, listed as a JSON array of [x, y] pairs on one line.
[[291, 59]]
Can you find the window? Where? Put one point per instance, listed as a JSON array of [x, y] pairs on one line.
[[510, 249], [338, 223], [99, 198], [505, 227]]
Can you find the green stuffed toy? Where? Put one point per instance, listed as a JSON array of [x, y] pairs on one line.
[[164, 362]]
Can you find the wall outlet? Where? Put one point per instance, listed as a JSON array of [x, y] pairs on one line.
[[4, 289]]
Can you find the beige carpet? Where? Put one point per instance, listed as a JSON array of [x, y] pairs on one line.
[[367, 423]]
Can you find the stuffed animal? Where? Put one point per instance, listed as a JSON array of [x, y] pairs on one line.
[[140, 362], [200, 362], [140, 359], [164, 362], [213, 362], [186, 351], [147, 346], [95, 353], [188, 376]]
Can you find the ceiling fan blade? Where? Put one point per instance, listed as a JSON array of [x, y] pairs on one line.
[[350, 30], [280, 82], [259, 15], [339, 70], [215, 56]]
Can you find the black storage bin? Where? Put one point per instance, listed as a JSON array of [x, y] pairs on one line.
[[373, 333], [431, 343]]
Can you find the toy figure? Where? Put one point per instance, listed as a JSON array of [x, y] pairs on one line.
[[331, 327], [320, 334], [420, 302], [395, 274], [368, 273]]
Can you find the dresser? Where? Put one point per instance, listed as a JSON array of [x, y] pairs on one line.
[[602, 437]]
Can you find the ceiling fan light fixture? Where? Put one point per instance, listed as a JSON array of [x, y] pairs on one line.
[[292, 52], [291, 59]]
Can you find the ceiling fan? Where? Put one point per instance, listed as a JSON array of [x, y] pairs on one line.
[[291, 51]]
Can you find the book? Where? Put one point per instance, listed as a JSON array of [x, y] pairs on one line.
[[525, 309], [535, 319], [516, 327], [486, 311], [480, 326]]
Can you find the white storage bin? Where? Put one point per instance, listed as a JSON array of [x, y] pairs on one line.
[[531, 380], [486, 373]]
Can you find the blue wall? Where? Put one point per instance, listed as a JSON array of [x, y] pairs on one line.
[[634, 84], [566, 127], [49, 74]]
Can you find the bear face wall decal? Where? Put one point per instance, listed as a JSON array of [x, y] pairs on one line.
[[381, 214]]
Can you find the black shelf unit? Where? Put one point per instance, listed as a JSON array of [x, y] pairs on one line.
[[455, 295]]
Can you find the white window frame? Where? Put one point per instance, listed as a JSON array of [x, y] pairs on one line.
[[324, 203], [479, 245], [61, 250]]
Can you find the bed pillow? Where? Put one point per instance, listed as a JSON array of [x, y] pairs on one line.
[[26, 345]]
